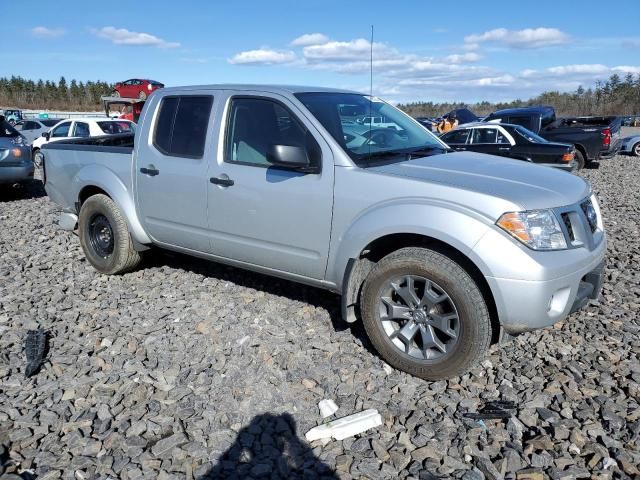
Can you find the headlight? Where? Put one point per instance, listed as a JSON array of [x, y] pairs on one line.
[[19, 140], [537, 229], [149, 87], [596, 207]]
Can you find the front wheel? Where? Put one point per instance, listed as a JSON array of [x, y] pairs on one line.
[[636, 149], [104, 236], [424, 314]]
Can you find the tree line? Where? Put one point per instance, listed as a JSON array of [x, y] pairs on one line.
[[615, 96], [18, 92]]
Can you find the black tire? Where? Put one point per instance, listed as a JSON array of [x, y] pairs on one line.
[[474, 325], [115, 93], [636, 149], [101, 210], [580, 160]]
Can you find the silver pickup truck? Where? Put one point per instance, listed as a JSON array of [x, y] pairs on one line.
[[439, 253]]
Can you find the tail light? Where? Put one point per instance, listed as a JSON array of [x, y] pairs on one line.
[[607, 137], [568, 157]]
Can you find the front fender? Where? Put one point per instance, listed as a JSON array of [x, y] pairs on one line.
[[96, 175], [455, 225]]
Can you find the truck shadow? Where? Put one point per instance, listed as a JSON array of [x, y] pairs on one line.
[[275, 286], [23, 191], [269, 448]]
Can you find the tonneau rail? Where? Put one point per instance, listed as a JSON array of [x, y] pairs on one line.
[[119, 143]]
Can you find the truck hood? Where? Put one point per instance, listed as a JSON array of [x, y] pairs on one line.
[[524, 184]]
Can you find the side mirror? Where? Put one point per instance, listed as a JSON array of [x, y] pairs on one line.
[[45, 135], [287, 156]]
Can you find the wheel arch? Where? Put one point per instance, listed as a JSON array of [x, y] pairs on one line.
[[359, 267], [96, 179]]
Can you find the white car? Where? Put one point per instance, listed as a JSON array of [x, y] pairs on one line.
[[82, 128]]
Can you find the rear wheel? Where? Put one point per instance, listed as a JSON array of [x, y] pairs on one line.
[[636, 149], [142, 96], [115, 93], [424, 314], [580, 160], [104, 236]]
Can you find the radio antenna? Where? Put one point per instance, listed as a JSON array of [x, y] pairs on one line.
[[371, 64], [370, 88]]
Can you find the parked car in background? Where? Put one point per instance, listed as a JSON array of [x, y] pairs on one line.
[[631, 146], [462, 115], [594, 138], [437, 252], [81, 128], [631, 121], [513, 141], [12, 115], [15, 155], [136, 88], [428, 122], [34, 127]]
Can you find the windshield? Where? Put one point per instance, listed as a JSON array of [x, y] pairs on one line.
[[369, 129], [50, 122], [6, 130], [529, 135]]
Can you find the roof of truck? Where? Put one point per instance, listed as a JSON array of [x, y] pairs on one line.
[[516, 110], [266, 88]]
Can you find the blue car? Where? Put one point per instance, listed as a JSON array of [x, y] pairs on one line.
[[15, 155], [631, 146]]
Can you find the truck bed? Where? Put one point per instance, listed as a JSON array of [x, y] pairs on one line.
[[66, 161]]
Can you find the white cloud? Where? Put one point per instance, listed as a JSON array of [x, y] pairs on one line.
[[44, 32], [309, 39], [122, 36], [595, 68], [627, 69], [262, 56], [464, 57], [526, 38], [341, 51]]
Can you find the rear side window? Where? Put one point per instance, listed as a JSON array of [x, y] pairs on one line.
[[81, 129], [484, 135], [456, 136], [61, 130], [523, 121], [181, 128]]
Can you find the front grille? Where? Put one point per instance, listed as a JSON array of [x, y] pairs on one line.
[[567, 223]]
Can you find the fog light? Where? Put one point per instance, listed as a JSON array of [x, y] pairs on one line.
[[16, 152]]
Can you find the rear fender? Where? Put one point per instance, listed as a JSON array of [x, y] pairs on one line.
[[106, 180]]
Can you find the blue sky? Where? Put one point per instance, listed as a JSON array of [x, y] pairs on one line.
[[465, 50]]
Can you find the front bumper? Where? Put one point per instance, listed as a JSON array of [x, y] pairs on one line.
[[17, 173], [566, 166]]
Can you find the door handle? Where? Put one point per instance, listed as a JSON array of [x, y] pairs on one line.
[[504, 149], [150, 170], [460, 149], [223, 181]]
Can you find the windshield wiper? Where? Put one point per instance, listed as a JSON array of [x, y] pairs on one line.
[[427, 150]]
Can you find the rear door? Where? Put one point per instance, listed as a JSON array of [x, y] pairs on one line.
[[262, 215], [171, 169]]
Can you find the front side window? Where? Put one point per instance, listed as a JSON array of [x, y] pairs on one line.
[[81, 129], [115, 127], [367, 141], [61, 130], [255, 125], [181, 128], [484, 135]]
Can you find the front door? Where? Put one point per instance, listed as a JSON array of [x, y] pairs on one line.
[[263, 215], [171, 171]]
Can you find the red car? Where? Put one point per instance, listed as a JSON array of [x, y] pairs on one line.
[[136, 88]]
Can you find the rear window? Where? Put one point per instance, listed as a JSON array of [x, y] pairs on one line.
[[113, 127], [181, 128]]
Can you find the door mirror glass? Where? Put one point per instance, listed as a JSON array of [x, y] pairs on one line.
[[288, 156], [45, 135]]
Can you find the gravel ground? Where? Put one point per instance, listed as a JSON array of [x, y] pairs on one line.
[[186, 369]]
